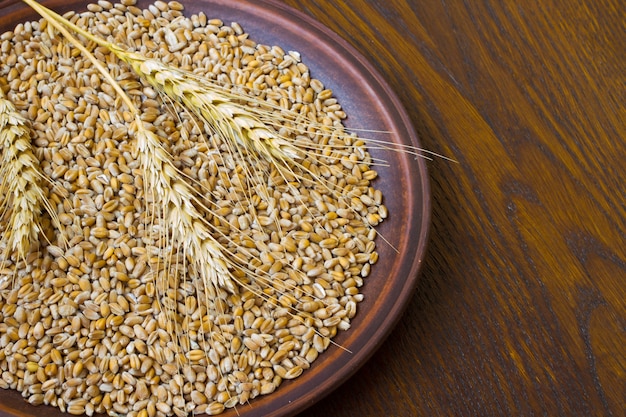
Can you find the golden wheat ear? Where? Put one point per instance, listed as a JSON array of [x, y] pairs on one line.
[[213, 105], [22, 194], [176, 197]]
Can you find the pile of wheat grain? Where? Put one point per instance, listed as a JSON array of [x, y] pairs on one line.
[[103, 314]]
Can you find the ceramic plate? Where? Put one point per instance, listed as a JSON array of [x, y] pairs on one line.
[[370, 104]]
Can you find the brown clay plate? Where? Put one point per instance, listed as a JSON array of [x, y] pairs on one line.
[[370, 104]]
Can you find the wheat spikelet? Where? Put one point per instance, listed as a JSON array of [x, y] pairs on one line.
[[21, 178], [216, 108], [188, 228]]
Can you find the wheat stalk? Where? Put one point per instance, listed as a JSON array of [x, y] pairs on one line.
[[255, 128]]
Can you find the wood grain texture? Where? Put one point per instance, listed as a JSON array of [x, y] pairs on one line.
[[521, 305]]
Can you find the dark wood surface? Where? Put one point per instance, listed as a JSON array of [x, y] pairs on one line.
[[520, 309]]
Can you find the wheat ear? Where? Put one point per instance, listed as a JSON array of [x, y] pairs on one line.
[[188, 227], [230, 120], [225, 117], [21, 182]]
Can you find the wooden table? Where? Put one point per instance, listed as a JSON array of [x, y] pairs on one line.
[[520, 309]]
